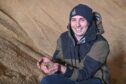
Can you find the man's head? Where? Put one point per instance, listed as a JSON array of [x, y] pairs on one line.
[[82, 10], [80, 18]]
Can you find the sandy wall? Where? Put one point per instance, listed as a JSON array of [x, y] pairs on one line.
[[29, 29]]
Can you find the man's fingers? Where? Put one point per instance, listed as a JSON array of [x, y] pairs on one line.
[[41, 60], [38, 65], [46, 65]]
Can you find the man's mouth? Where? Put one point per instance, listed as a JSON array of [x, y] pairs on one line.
[[78, 29]]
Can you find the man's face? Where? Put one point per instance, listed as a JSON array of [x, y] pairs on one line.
[[79, 25]]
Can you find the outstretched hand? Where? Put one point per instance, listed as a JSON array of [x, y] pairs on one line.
[[47, 66]]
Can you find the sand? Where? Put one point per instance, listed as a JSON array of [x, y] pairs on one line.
[[29, 30]]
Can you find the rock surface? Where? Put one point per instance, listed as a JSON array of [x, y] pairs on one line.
[[29, 29]]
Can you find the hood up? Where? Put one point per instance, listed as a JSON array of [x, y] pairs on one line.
[[94, 29]]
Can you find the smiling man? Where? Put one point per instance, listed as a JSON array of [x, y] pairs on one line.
[[81, 53], [79, 26]]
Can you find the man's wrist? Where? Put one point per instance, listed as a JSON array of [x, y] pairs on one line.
[[59, 68], [62, 69]]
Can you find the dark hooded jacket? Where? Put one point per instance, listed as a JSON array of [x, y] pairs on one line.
[[85, 59]]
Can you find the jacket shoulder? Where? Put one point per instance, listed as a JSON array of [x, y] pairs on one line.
[[64, 34]]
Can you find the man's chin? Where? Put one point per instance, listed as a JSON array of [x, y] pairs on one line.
[[80, 35]]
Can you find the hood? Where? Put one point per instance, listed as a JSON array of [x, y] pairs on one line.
[[94, 29]]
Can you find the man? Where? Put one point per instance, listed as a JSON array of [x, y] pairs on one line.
[[81, 53]]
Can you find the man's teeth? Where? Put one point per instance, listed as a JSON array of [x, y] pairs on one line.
[[78, 29]]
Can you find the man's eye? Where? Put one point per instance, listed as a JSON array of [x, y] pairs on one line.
[[82, 19], [73, 19]]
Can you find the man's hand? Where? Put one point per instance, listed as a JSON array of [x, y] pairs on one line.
[[47, 66]]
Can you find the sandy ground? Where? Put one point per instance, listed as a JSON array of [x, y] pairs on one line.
[[29, 29]]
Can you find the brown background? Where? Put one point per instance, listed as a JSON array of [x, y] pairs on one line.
[[30, 28]]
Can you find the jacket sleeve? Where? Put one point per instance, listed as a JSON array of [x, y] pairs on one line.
[[93, 61], [58, 55]]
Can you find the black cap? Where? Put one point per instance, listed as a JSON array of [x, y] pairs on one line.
[[82, 10]]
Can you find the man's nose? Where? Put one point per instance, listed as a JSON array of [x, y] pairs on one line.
[[78, 23]]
